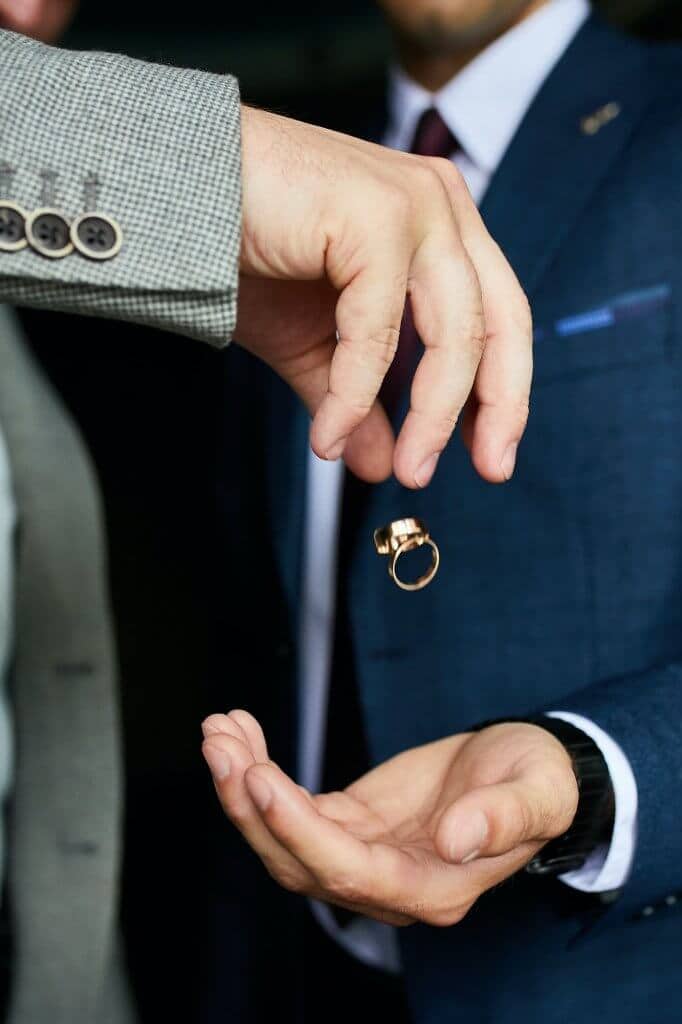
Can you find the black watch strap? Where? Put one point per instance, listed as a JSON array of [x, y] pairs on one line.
[[594, 819]]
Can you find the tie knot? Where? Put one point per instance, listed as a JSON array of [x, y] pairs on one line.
[[433, 137]]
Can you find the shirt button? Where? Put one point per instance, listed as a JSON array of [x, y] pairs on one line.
[[48, 232], [671, 900], [648, 911], [12, 227], [96, 236]]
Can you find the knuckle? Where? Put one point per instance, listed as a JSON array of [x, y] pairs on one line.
[[428, 188], [440, 426], [510, 824], [420, 912], [398, 204], [285, 875], [472, 328], [449, 173], [403, 913], [379, 347], [518, 820], [240, 813], [522, 413], [561, 808], [453, 186], [432, 176], [445, 917], [478, 334], [384, 344], [344, 889], [444, 426], [290, 881]]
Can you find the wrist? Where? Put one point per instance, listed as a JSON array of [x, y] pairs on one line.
[[593, 821], [258, 140]]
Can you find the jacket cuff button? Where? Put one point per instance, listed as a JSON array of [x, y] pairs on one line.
[[48, 233], [12, 227], [96, 236]]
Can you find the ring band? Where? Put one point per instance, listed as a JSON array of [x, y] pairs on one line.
[[399, 537], [423, 580]]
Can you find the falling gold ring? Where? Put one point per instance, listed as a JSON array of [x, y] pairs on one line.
[[399, 537]]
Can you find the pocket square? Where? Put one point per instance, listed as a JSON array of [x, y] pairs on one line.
[[628, 328], [622, 307]]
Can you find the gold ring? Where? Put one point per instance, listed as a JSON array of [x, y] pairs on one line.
[[399, 537]]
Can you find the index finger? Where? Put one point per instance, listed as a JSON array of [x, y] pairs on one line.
[[368, 315]]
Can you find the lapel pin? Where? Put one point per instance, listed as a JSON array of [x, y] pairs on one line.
[[593, 122]]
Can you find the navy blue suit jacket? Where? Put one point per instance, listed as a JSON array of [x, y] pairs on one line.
[[560, 590]]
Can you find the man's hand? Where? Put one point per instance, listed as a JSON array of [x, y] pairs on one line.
[[41, 19], [419, 838], [336, 233]]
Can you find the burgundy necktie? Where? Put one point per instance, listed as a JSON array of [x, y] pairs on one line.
[[432, 138], [346, 755]]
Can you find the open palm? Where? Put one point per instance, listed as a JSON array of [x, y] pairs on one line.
[[418, 838]]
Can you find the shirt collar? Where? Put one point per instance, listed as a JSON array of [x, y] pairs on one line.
[[485, 103]]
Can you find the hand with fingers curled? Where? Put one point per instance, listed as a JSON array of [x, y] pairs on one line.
[[338, 234], [418, 838]]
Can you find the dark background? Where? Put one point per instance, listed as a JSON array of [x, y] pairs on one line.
[[298, 56]]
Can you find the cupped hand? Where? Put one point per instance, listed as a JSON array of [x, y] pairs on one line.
[[419, 838], [336, 234]]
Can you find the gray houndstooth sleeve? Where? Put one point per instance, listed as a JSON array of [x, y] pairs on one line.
[[165, 146]]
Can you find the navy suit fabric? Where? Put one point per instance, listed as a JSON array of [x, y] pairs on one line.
[[561, 590]]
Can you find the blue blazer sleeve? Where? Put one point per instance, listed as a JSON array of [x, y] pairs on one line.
[[643, 714]]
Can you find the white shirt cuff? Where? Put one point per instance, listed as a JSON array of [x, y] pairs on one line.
[[608, 867]]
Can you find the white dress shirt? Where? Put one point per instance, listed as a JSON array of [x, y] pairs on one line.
[[483, 106], [7, 518]]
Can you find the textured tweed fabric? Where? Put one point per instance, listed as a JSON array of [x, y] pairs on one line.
[[164, 145]]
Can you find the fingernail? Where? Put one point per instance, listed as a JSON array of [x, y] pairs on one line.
[[426, 470], [471, 856], [509, 461], [470, 838], [218, 761], [260, 792], [336, 450]]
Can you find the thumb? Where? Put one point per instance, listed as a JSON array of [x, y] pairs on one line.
[[495, 819]]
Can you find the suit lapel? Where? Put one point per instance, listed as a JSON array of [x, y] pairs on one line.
[[558, 158]]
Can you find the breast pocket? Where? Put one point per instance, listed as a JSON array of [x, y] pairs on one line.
[[628, 328]]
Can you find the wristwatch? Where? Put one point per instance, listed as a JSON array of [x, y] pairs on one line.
[[593, 823]]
